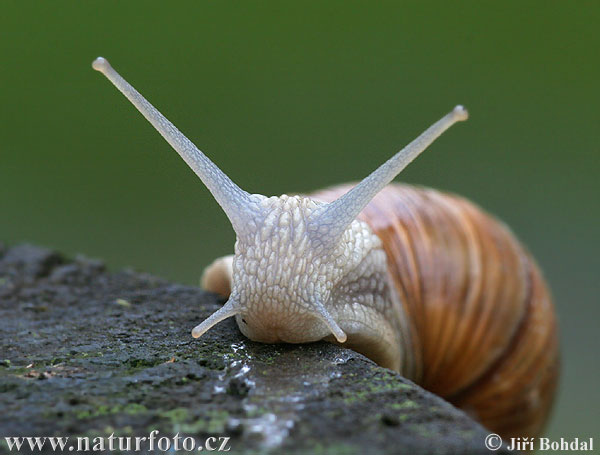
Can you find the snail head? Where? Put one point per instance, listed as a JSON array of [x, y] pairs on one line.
[[291, 252]]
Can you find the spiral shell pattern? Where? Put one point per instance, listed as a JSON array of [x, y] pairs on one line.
[[484, 326]]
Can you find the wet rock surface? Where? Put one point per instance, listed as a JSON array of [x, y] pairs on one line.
[[84, 352]]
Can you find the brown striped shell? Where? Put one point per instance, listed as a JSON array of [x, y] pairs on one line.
[[485, 331]]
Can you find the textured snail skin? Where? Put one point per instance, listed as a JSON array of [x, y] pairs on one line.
[[420, 281], [278, 274]]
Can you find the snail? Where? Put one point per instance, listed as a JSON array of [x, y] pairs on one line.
[[420, 281]]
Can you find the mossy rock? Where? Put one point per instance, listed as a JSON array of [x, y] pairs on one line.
[[89, 353]]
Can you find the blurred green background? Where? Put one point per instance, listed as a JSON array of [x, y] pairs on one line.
[[295, 96]]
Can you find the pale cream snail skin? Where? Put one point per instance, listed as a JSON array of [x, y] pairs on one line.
[[421, 281]]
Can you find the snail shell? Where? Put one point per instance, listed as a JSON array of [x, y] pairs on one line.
[[484, 331]]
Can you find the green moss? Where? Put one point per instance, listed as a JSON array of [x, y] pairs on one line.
[[143, 363], [134, 408], [407, 404], [123, 302], [217, 421], [79, 355], [381, 383], [213, 421], [104, 410], [13, 371], [176, 415]]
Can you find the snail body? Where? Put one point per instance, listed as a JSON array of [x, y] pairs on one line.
[[420, 281]]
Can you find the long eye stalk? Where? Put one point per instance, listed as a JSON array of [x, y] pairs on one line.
[[337, 215], [239, 206]]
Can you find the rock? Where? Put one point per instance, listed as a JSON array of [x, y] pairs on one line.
[[104, 354]]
